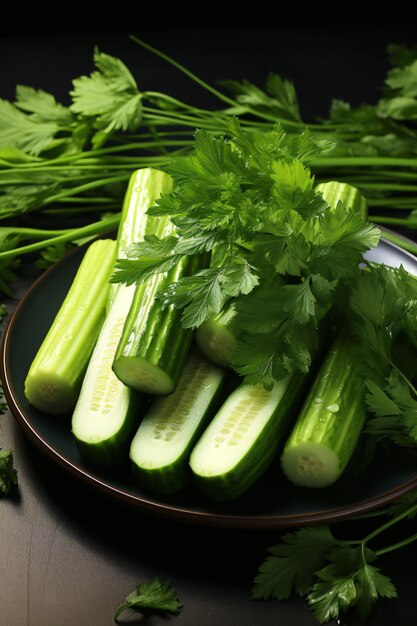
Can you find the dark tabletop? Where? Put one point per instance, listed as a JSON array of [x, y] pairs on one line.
[[69, 555]]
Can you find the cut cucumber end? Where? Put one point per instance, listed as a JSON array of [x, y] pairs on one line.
[[216, 341], [160, 449], [104, 438], [51, 393], [310, 465], [139, 374], [93, 422]]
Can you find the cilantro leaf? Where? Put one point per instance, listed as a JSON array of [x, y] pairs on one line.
[[293, 563], [152, 595], [8, 474]]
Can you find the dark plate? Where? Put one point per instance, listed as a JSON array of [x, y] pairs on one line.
[[272, 503]]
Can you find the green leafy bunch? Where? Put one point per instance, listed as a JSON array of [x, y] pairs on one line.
[[333, 574], [382, 311], [282, 248], [106, 101]]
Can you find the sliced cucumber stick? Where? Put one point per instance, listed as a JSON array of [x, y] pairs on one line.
[[145, 186], [107, 411], [153, 346], [330, 422], [55, 376], [161, 446], [242, 439]]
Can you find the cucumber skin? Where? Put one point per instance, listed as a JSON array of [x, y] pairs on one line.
[[145, 186], [252, 466], [70, 315], [337, 382], [154, 333], [134, 221], [172, 479]]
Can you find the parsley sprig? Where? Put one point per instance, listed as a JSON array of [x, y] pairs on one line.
[[333, 574], [382, 312], [252, 195]]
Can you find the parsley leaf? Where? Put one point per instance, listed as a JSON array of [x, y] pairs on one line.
[[36, 123], [332, 574], [52, 254], [293, 563], [109, 96], [383, 305], [23, 132], [8, 474], [279, 99], [152, 595], [349, 581]]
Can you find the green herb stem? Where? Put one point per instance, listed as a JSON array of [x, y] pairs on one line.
[[184, 70], [396, 546], [68, 235], [404, 222], [374, 161], [393, 202], [388, 186], [87, 187], [29, 232], [412, 509]]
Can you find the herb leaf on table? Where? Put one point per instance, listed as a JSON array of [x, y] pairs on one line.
[[152, 595], [8, 474], [334, 575]]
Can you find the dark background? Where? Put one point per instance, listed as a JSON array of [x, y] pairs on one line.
[[344, 61], [69, 556]]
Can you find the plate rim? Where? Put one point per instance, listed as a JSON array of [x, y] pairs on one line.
[[150, 505]]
